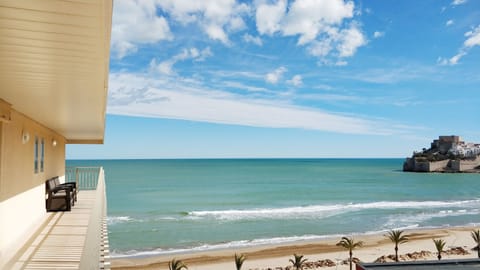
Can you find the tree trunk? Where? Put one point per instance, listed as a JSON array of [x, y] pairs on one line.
[[351, 255], [439, 256], [478, 250], [396, 253]]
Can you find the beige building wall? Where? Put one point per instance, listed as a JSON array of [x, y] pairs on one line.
[[22, 190]]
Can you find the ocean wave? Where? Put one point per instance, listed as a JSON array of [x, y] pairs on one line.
[[112, 220], [322, 211], [221, 246], [115, 220], [413, 219], [251, 243]]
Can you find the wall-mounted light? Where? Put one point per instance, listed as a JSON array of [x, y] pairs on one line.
[[54, 142], [25, 137]]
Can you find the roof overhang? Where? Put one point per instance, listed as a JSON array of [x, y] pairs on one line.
[[54, 62]]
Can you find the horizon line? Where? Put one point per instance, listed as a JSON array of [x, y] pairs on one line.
[[229, 158]]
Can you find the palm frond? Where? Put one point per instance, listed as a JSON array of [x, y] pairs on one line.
[[239, 259], [176, 265], [298, 261], [476, 236], [349, 243], [397, 237], [439, 245]]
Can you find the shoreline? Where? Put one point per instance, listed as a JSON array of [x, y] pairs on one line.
[[277, 255]]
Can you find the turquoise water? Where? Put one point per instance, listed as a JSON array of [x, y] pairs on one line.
[[168, 206]]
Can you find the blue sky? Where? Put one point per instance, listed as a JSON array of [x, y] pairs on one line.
[[278, 78]]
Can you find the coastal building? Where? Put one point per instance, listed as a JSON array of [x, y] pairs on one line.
[[446, 154], [467, 264], [445, 143], [54, 78]]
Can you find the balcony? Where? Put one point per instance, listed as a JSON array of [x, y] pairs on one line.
[[72, 240]]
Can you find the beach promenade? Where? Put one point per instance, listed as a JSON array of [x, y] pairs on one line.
[[274, 257]]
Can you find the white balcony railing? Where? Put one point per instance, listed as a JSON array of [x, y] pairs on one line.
[[85, 177], [96, 250]]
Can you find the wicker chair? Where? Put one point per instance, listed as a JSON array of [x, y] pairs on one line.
[[58, 198], [71, 185]]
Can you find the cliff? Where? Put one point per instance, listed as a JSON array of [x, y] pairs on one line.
[[446, 154]]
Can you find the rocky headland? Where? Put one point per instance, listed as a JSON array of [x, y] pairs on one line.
[[446, 154]]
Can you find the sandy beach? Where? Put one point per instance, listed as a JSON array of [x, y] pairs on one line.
[[265, 257]]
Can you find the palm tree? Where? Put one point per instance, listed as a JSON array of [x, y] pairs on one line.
[[298, 261], [350, 244], [397, 237], [176, 265], [239, 259], [439, 245], [476, 238]]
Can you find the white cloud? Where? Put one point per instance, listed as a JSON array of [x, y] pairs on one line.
[[378, 34], [321, 48], [216, 32], [305, 18], [296, 81], [449, 22], [236, 24], [204, 54], [346, 42], [451, 61], [320, 24], [390, 75], [242, 86], [137, 95], [274, 76], [134, 23], [442, 61], [350, 40], [251, 39], [309, 18], [236, 74], [166, 67], [214, 17], [473, 40], [458, 2], [269, 16]]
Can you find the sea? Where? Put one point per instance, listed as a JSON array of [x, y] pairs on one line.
[[158, 207]]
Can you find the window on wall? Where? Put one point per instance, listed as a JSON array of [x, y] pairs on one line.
[[35, 153], [42, 154]]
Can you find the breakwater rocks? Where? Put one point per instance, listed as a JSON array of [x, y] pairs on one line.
[[309, 265], [413, 256], [420, 255]]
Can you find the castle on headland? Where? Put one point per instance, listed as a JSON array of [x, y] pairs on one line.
[[447, 154]]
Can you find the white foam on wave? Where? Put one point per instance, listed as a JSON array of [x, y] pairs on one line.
[[412, 219], [112, 220], [248, 243], [321, 211], [221, 246]]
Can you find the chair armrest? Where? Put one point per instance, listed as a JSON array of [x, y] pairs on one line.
[[69, 184], [60, 188]]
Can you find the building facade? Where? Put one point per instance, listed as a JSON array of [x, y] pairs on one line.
[[54, 79]]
